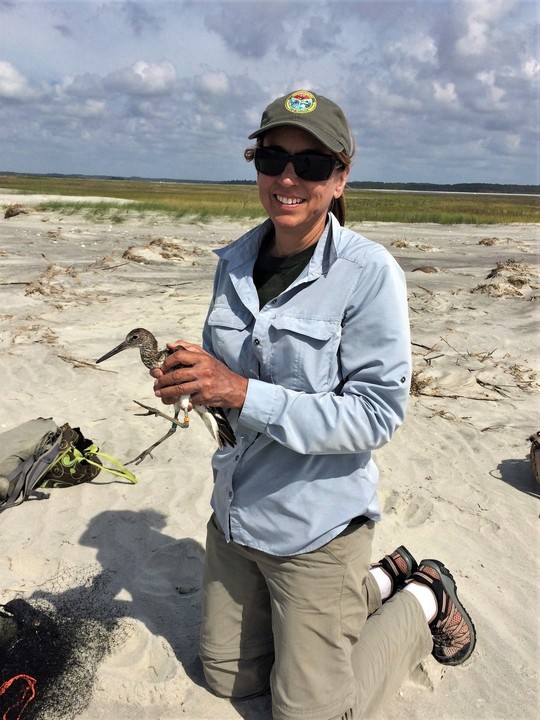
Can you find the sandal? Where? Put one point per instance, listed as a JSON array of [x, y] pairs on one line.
[[454, 635]]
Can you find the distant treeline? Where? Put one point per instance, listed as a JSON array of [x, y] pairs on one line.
[[360, 185], [457, 187]]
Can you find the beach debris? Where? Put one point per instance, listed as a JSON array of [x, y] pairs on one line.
[[419, 383], [156, 250], [510, 278], [162, 249], [426, 269], [15, 209], [402, 244], [488, 241], [526, 378], [446, 373], [48, 282]]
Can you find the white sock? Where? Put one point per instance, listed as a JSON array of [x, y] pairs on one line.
[[383, 581], [425, 597]]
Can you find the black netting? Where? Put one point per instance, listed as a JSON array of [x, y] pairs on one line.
[[52, 642]]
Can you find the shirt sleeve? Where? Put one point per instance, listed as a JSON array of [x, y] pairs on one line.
[[206, 334], [375, 360]]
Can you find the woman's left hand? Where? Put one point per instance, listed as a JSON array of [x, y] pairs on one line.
[[207, 380]]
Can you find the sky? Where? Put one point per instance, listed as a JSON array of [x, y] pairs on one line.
[[435, 91]]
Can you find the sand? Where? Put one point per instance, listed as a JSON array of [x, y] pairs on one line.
[[456, 483]]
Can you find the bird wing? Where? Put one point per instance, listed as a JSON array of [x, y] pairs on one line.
[[216, 421]]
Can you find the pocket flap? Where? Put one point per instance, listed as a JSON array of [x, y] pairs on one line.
[[316, 328], [225, 317]]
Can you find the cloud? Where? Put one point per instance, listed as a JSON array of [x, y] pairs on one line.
[[294, 30], [435, 91], [482, 18], [530, 68], [319, 35], [250, 29], [445, 93], [140, 19], [143, 78], [89, 108], [64, 30], [13, 85], [214, 83], [419, 48]]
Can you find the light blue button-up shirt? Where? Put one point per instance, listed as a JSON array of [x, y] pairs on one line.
[[329, 368]]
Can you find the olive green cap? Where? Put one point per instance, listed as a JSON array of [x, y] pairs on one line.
[[314, 114]]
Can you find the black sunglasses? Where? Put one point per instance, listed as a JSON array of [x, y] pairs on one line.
[[308, 165]]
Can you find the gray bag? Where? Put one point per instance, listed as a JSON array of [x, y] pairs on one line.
[[38, 453], [26, 453]]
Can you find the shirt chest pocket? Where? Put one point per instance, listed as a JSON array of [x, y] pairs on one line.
[[304, 352], [229, 331]]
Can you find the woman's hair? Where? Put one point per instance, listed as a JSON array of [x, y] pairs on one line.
[[337, 206]]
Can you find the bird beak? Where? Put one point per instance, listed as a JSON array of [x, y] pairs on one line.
[[114, 351]]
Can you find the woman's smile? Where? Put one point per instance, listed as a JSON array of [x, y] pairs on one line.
[[288, 200]]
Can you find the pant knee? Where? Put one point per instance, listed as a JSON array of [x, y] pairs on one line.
[[237, 678]]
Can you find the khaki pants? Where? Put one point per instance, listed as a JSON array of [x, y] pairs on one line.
[[310, 627]]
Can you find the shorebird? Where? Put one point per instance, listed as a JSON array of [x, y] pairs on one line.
[[213, 417]]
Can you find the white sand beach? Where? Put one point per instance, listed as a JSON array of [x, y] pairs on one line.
[[456, 483]]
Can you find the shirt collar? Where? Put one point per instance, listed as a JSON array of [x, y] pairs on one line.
[[247, 248]]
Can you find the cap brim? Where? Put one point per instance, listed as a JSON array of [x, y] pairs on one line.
[[327, 140]]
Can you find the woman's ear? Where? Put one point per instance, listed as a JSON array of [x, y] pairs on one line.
[[342, 181]]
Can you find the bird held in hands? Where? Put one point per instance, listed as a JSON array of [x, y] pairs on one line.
[[213, 417]]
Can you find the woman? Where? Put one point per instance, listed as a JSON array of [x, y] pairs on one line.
[[307, 342]]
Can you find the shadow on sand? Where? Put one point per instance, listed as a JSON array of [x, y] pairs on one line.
[[518, 474], [162, 577]]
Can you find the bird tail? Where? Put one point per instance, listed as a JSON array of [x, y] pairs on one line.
[[215, 420]]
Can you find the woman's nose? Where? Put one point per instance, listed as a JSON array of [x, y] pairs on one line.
[[289, 174]]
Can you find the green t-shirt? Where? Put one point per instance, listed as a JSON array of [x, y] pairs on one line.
[[272, 275]]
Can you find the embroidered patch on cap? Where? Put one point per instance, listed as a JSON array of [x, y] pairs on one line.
[[301, 101]]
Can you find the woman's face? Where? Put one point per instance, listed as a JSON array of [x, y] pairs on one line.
[[297, 207]]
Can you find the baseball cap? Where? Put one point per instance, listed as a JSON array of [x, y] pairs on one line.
[[311, 112]]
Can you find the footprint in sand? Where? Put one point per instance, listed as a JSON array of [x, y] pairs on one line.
[[148, 654], [413, 511], [175, 566]]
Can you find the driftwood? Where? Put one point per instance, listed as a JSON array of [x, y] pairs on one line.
[[83, 363]]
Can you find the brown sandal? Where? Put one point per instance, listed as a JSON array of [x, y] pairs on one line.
[[454, 635]]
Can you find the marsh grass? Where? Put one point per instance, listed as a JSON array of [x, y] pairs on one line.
[[200, 202]]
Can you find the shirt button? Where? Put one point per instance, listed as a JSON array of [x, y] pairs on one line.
[[237, 457], [230, 493], [257, 342]]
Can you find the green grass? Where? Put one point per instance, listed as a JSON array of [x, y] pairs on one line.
[[200, 202]]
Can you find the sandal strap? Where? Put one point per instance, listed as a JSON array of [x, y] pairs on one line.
[[399, 566]]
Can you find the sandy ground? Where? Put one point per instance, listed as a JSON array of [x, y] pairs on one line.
[[455, 481]]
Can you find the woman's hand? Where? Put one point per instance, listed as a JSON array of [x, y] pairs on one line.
[[207, 380]]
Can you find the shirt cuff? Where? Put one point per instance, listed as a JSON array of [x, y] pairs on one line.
[[260, 401]]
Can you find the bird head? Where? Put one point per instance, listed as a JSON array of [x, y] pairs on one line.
[[136, 338]]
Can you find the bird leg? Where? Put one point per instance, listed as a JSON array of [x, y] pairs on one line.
[[175, 425], [158, 413], [148, 451]]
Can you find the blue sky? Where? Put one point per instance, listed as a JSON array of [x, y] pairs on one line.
[[435, 90]]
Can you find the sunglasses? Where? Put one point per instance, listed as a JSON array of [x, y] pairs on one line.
[[308, 165]]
